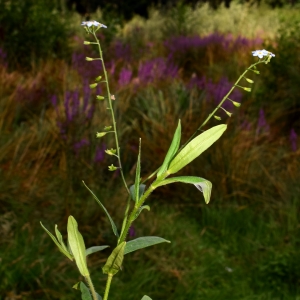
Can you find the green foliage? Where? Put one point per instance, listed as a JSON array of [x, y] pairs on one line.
[[195, 147], [172, 151], [94, 249], [59, 242], [77, 246], [32, 30], [143, 242], [203, 185], [113, 225], [115, 260]]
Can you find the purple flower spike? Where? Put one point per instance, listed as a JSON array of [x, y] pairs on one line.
[[100, 153], [262, 125], [124, 77], [293, 140]]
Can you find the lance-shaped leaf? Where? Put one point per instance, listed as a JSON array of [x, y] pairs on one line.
[[77, 246], [85, 292], [201, 184], [195, 147], [94, 249], [60, 238], [172, 150], [113, 225], [146, 298], [140, 210], [143, 242], [133, 193], [61, 248], [138, 175], [115, 260]]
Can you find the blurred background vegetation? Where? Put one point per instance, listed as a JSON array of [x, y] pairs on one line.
[[165, 61]]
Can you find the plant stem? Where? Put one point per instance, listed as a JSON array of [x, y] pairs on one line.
[[125, 216], [91, 286], [112, 113], [108, 282], [135, 210]]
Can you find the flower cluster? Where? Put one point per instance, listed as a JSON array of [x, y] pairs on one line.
[[93, 23], [262, 53]]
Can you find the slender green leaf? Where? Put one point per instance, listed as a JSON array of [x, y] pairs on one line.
[[94, 249], [76, 286], [146, 298], [113, 225], [77, 246], [172, 150], [85, 292], [143, 242], [141, 191], [114, 261], [60, 238], [138, 175], [195, 147], [201, 184], [140, 210], [60, 247]]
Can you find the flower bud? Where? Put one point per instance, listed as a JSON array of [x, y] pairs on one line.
[[98, 78], [218, 118], [236, 104], [249, 80], [107, 127], [86, 43], [112, 168], [100, 134], [228, 113], [111, 151], [93, 85], [255, 71], [89, 59], [99, 97], [247, 89]]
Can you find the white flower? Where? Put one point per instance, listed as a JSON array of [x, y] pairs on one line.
[[93, 23], [268, 53], [262, 53], [259, 53]]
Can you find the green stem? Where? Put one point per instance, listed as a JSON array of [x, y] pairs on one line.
[[125, 216], [91, 286], [112, 113], [222, 101], [108, 282], [135, 210]]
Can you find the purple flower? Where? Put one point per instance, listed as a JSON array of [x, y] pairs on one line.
[[293, 139], [262, 125], [78, 145], [100, 153], [124, 77], [157, 69]]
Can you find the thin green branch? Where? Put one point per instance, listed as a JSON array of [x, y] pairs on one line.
[[219, 105]]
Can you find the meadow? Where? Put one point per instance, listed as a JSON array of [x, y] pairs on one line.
[[177, 64]]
